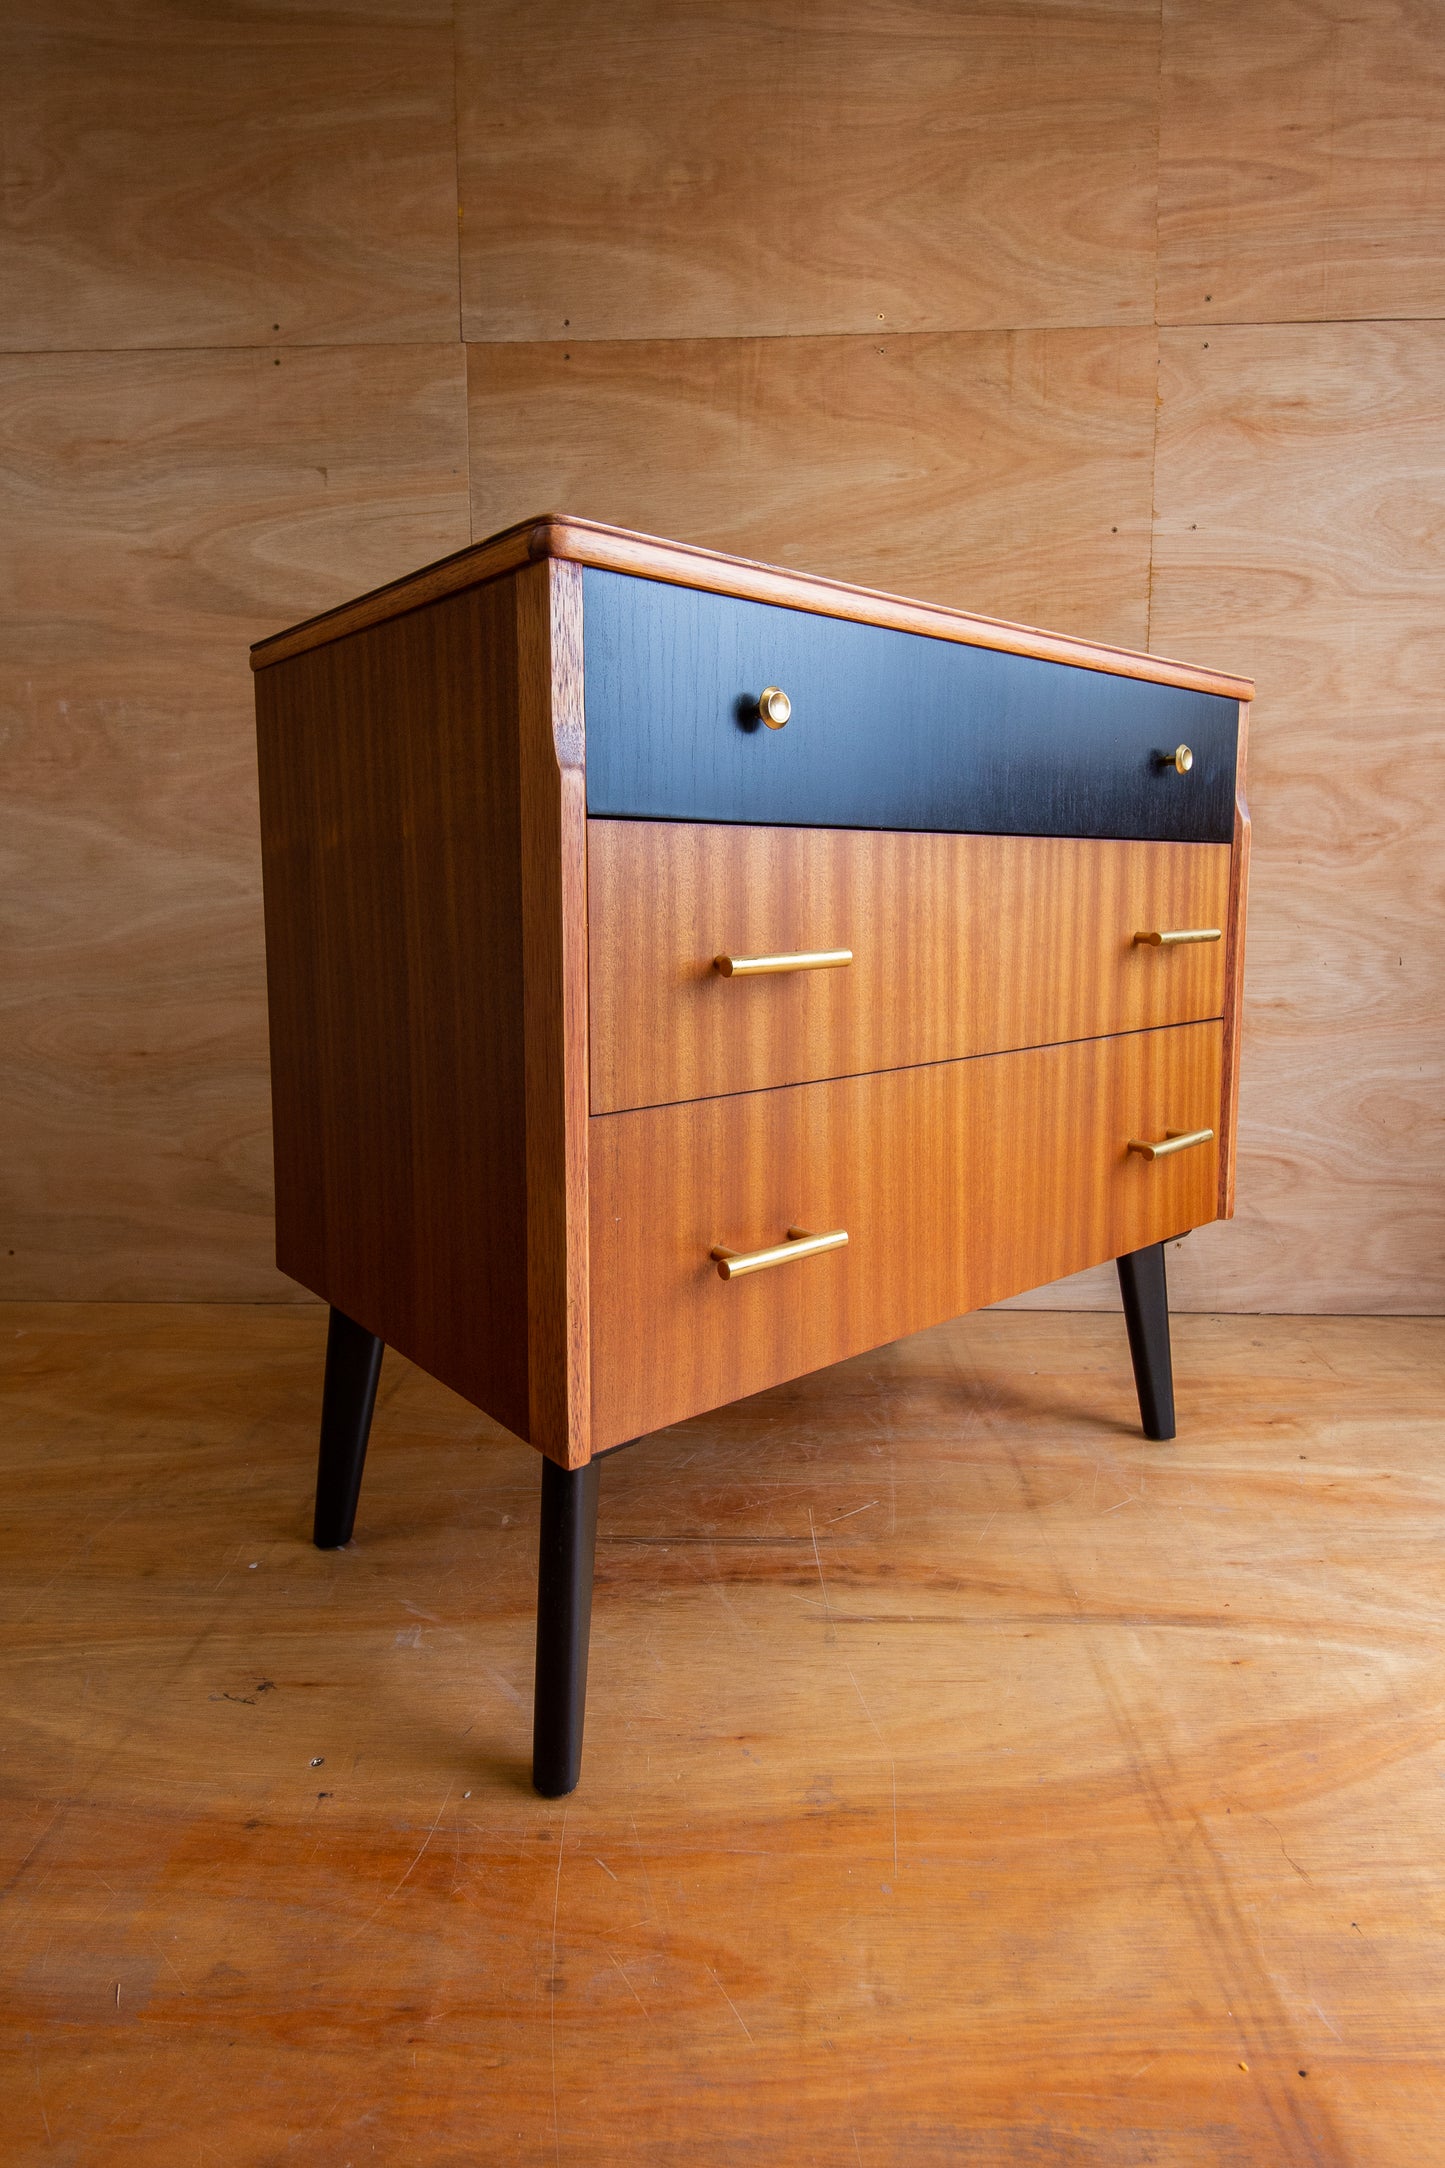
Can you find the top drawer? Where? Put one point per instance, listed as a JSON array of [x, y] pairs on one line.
[[888, 729]]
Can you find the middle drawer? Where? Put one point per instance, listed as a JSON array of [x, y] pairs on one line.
[[961, 945]]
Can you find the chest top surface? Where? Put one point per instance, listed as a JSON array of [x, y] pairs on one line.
[[903, 715], [567, 539]]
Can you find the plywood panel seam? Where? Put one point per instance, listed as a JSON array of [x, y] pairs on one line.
[[923, 336], [278, 346], [1302, 323], [457, 209], [1154, 418]]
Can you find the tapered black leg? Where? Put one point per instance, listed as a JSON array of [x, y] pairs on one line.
[[1146, 1313], [353, 1366], [564, 1623]]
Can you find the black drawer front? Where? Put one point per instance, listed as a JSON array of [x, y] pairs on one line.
[[888, 730]]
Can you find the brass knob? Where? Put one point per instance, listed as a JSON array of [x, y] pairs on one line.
[[1181, 760], [774, 706]]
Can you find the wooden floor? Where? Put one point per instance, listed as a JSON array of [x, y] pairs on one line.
[[967, 1780]]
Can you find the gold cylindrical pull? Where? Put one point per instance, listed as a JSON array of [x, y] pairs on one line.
[[1181, 760], [731, 1265], [1179, 939], [753, 967], [774, 706], [1173, 1140]]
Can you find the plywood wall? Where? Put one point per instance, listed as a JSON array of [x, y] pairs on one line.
[[1121, 321]]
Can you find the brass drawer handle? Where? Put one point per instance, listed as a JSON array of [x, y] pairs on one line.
[[752, 967], [774, 706], [1174, 1140], [1181, 760], [1178, 940], [730, 1266]]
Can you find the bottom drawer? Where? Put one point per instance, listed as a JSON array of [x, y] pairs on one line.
[[958, 1183]]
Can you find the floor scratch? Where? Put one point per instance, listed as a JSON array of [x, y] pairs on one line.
[[416, 1861], [817, 1561], [426, 1840], [737, 2013], [34, 1848], [642, 2006], [40, 2097]]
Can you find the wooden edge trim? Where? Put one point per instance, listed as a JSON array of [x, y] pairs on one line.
[[471, 567], [682, 564], [613, 549], [1234, 984], [553, 822]]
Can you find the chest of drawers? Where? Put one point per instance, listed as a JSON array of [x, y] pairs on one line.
[[684, 974]]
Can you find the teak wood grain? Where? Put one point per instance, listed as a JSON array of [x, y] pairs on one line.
[[423, 825], [391, 781], [552, 835], [961, 945], [958, 1183], [615, 549]]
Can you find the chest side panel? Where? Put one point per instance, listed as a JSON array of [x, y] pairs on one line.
[[389, 806]]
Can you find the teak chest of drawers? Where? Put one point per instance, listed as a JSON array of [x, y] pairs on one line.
[[684, 974]]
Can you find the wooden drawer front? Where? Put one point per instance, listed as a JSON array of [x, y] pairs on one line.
[[961, 945], [958, 1183], [889, 729]]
